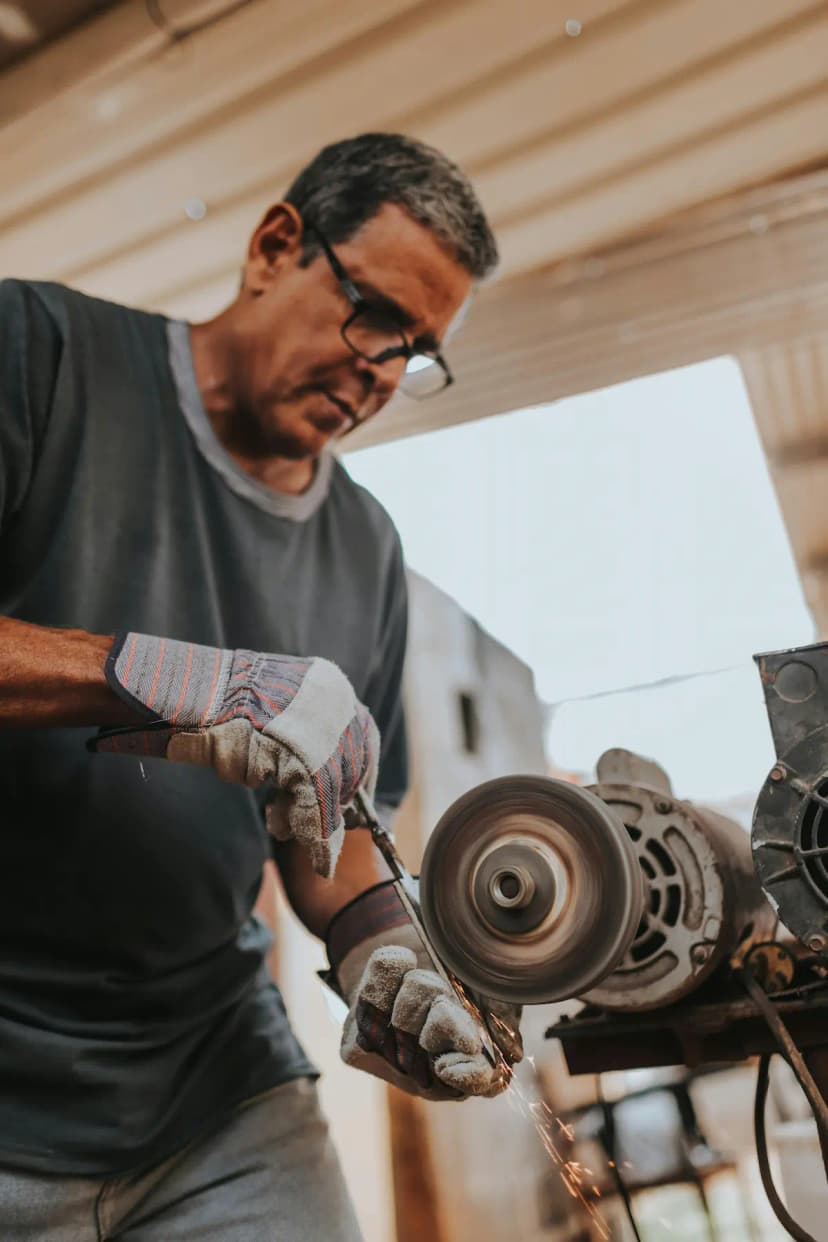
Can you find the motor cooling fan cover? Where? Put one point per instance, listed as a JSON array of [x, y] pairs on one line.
[[530, 889], [790, 822]]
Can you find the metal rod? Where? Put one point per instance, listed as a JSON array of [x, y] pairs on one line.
[[403, 882]]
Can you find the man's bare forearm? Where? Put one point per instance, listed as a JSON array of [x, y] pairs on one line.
[[52, 677], [315, 900]]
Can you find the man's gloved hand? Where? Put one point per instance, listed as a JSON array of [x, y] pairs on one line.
[[257, 719], [404, 1023]]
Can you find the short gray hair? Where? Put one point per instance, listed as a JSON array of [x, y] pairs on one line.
[[349, 181]]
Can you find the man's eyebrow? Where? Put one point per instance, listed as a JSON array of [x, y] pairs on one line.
[[384, 302], [406, 320]]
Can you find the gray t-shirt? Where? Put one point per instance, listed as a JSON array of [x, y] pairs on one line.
[[135, 1008]]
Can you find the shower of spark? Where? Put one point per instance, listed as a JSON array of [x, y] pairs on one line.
[[537, 1111], [572, 1172]]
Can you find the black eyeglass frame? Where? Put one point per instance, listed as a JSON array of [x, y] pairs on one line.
[[362, 304]]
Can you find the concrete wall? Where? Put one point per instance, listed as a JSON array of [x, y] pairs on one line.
[[472, 709]]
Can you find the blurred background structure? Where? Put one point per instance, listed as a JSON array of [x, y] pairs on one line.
[[641, 510]]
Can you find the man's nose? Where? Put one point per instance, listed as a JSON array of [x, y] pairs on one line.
[[378, 382], [381, 378]]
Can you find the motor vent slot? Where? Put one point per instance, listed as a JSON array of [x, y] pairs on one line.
[[663, 896], [811, 846]]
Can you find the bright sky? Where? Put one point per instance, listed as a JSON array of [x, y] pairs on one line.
[[613, 540]]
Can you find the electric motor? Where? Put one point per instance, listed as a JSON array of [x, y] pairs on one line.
[[536, 890], [703, 901]]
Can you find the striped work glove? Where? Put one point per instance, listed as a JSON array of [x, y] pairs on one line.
[[258, 719], [405, 1024]]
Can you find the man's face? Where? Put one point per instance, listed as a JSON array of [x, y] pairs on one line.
[[294, 376]]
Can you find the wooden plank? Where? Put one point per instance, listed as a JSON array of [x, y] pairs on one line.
[[729, 91], [109, 43], [151, 90], [788, 388], [789, 138], [615, 62], [815, 590], [228, 158], [416, 1198], [796, 487]]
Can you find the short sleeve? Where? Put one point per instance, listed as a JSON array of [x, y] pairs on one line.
[[30, 352]]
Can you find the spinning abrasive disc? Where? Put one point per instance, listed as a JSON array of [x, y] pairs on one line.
[[530, 890]]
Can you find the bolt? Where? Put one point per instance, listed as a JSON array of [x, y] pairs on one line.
[[663, 806], [817, 942], [777, 773], [699, 954]]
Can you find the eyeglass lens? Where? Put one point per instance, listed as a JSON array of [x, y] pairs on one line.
[[371, 333]]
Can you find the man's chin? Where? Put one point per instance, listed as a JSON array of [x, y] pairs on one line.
[[296, 446], [293, 449]]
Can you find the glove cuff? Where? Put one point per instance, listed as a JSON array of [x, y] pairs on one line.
[[116, 684], [167, 680], [374, 918]]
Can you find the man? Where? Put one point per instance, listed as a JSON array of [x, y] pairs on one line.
[[202, 618]]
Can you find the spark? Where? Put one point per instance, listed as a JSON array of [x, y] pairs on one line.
[[141, 770], [575, 1171], [571, 1171]]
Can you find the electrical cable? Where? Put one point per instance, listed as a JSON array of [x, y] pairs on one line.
[[782, 1214], [806, 1081], [662, 683], [610, 1146], [789, 1050]]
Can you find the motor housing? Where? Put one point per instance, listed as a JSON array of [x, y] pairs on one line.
[[703, 902]]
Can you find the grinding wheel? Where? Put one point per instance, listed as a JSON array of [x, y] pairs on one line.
[[530, 889]]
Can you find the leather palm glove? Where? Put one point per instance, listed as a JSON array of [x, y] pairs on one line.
[[293, 725], [405, 1024]]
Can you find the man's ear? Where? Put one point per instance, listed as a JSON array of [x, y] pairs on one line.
[[276, 243]]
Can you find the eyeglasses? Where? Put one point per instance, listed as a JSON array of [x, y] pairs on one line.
[[374, 333]]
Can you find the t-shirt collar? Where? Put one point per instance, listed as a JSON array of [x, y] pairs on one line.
[[279, 504]]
